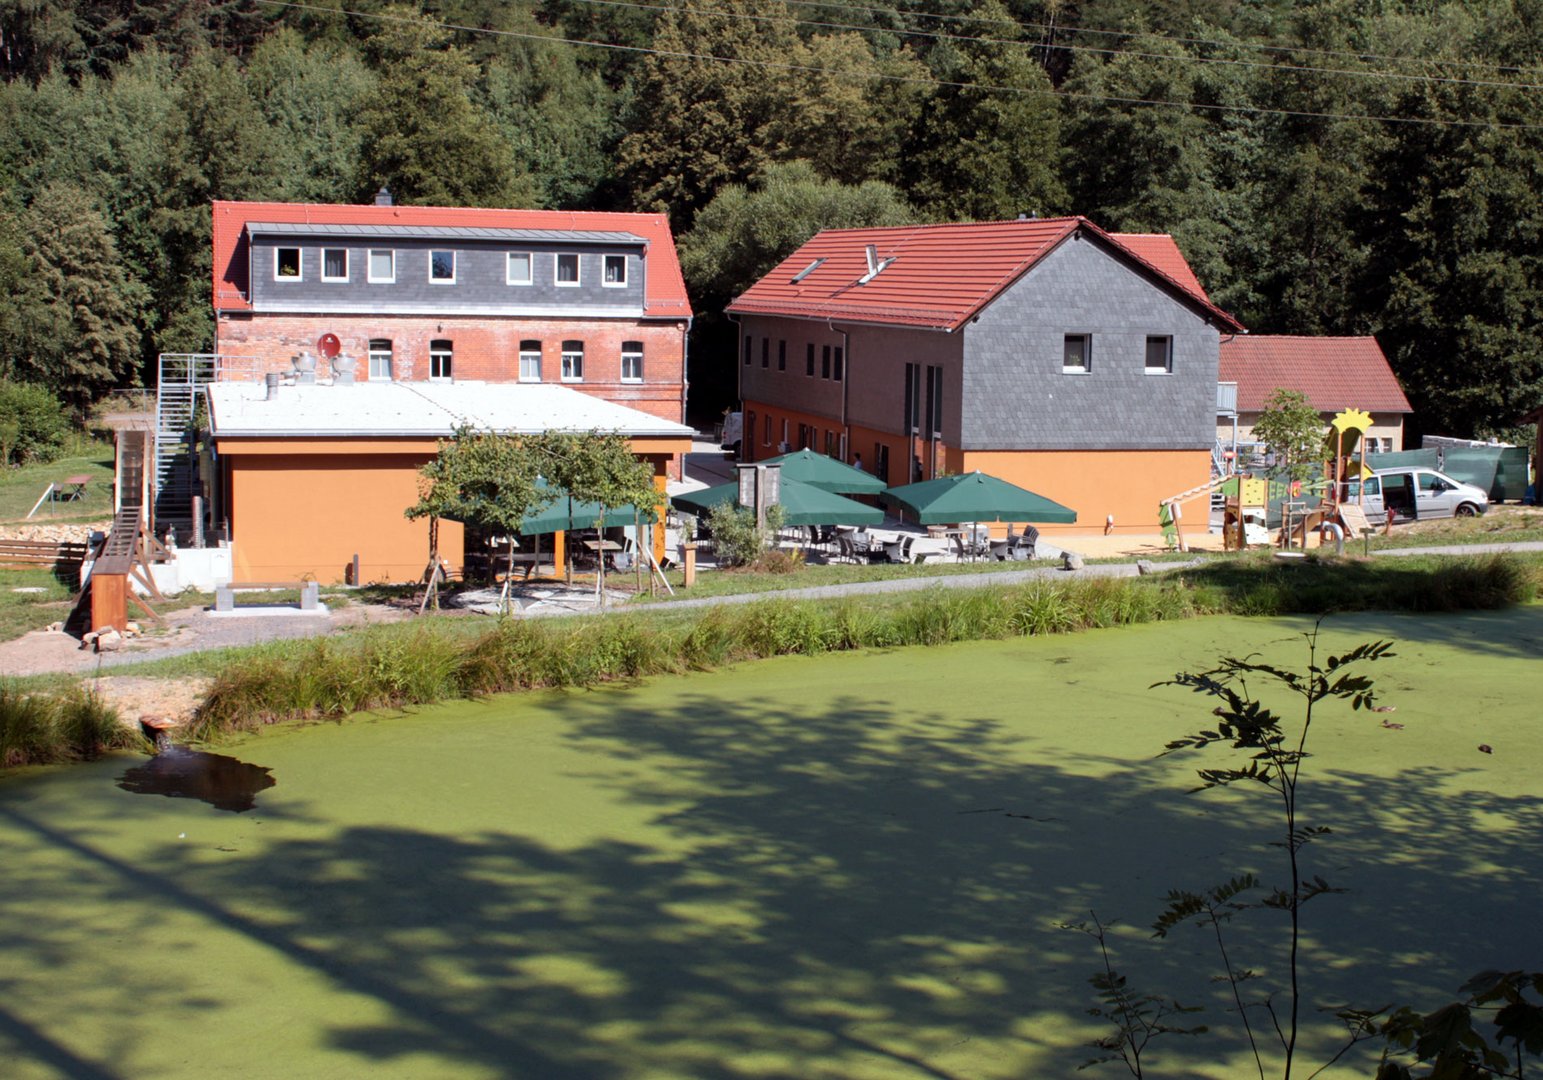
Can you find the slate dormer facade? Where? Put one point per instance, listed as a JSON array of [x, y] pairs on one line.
[[594, 301], [1076, 363]]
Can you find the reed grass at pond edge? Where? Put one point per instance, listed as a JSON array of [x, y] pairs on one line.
[[425, 662]]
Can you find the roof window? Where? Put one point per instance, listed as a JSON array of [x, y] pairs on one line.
[[806, 271]]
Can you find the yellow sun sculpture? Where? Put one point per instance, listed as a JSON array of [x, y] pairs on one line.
[[1352, 420]]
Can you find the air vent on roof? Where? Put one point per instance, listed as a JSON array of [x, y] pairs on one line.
[[806, 271], [383, 196], [875, 265]]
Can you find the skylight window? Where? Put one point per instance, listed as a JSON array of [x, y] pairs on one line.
[[806, 271]]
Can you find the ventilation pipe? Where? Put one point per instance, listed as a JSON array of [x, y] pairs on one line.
[[272, 381]]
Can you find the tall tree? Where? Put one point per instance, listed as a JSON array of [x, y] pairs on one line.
[[704, 101], [77, 331], [988, 146], [423, 136], [308, 96]]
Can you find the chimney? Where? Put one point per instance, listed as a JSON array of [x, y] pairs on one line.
[[383, 196], [873, 260], [272, 381]]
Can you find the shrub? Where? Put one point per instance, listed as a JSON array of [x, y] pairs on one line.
[[737, 540], [37, 728], [34, 426]]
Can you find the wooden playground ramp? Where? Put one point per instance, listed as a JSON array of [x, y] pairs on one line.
[[126, 553]]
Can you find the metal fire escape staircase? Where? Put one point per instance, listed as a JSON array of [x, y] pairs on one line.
[[179, 389]]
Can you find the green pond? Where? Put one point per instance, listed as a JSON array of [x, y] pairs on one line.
[[852, 866]]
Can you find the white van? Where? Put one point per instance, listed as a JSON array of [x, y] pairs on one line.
[[1416, 494]]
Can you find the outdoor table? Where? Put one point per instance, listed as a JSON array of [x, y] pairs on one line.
[[73, 488], [601, 548], [966, 551]]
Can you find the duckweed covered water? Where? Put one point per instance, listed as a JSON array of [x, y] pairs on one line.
[[850, 866]]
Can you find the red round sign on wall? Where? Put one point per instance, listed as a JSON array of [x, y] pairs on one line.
[[328, 345]]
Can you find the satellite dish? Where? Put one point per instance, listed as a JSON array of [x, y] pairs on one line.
[[328, 345]]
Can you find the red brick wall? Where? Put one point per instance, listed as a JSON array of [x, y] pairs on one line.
[[485, 349]]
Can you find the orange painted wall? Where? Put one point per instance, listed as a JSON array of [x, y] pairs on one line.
[[294, 515], [1096, 483], [304, 507]]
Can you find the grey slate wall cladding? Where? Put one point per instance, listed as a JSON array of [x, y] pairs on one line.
[[479, 286], [1016, 397]]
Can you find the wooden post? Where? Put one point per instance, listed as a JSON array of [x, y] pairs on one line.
[[688, 567]]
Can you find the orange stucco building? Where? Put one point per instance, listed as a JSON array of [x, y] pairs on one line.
[[314, 476]]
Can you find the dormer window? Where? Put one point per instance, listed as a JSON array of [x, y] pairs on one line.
[[615, 272], [442, 267], [334, 264], [517, 270], [568, 270], [382, 266], [286, 264]]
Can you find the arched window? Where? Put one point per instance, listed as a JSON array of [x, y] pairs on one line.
[[441, 354], [573, 361], [380, 358], [632, 361]]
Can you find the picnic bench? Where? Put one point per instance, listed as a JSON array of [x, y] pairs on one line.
[[225, 595], [70, 489]]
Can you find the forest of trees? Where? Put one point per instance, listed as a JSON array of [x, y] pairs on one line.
[[1329, 167]]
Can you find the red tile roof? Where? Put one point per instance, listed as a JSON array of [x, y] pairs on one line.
[[944, 274], [1334, 372], [1161, 251], [665, 289]]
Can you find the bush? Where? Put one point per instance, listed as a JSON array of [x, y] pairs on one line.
[[737, 541], [34, 426], [39, 729]]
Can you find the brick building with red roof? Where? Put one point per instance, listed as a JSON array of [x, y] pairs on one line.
[[1335, 373], [1077, 363], [591, 300]]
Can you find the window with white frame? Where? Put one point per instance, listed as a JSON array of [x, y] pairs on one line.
[[442, 267], [1077, 354], [334, 264], [382, 266], [568, 269], [380, 358], [441, 356], [517, 268], [573, 361], [632, 361], [286, 264], [615, 276], [1159, 355], [530, 361]]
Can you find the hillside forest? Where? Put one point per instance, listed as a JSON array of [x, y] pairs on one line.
[[1328, 167]]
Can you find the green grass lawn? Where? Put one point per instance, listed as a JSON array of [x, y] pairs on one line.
[[849, 866], [20, 488]]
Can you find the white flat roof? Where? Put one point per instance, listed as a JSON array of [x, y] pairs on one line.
[[421, 409]]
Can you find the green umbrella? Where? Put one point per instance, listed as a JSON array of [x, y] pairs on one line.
[[564, 514], [802, 504], [974, 497], [808, 467]]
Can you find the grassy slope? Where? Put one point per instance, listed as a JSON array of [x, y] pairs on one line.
[[848, 866], [20, 488]]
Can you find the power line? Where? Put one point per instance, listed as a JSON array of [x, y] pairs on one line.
[[1363, 73], [1054, 28], [877, 76]]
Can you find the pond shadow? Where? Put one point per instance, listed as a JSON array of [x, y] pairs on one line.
[[226, 783]]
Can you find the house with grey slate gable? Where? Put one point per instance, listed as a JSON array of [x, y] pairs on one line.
[[1074, 362]]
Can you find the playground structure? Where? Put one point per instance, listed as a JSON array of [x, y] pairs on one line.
[[1248, 498]]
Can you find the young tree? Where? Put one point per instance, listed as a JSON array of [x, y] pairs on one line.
[[1293, 430], [480, 478], [597, 468]]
